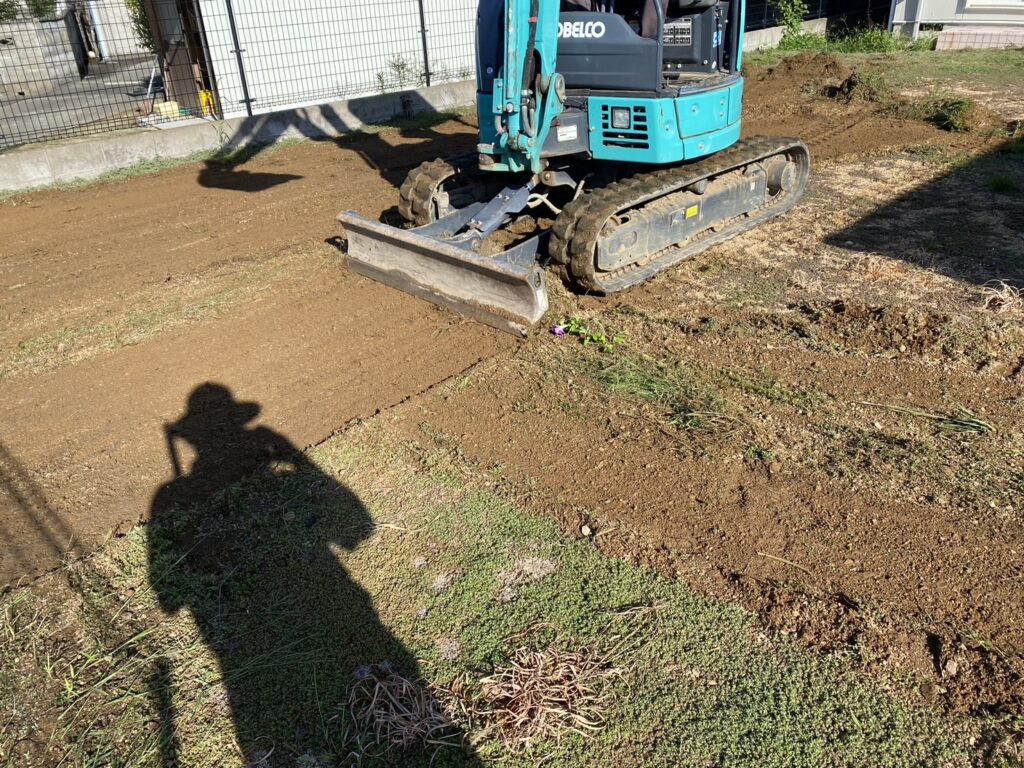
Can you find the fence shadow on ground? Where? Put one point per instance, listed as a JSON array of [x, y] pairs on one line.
[[248, 538], [967, 224], [27, 522], [413, 116]]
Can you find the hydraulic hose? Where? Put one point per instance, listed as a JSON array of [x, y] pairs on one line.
[[529, 73]]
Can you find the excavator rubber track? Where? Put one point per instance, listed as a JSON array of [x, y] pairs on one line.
[[423, 198], [652, 202]]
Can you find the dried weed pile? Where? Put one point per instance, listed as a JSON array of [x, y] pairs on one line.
[[541, 696], [400, 714], [1002, 297]]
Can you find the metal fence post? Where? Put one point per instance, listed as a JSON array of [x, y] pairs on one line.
[[238, 57], [426, 48]]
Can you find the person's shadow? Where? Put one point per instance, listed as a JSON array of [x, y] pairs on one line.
[[247, 539]]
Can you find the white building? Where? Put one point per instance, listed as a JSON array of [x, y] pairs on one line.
[[962, 23]]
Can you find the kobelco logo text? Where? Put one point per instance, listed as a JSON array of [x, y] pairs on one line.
[[581, 29]]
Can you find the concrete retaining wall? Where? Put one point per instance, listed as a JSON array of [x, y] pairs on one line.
[[35, 56], [757, 39], [957, 38], [82, 159]]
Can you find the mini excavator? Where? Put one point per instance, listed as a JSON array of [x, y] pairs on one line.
[[615, 128]]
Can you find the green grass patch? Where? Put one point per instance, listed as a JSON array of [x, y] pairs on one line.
[[234, 631], [687, 400], [994, 67], [1014, 148], [1004, 184], [860, 40]]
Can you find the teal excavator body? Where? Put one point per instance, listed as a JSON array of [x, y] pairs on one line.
[[554, 83], [614, 127]]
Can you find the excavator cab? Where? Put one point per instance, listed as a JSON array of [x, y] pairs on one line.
[[616, 46]]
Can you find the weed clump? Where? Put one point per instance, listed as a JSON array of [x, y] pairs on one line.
[[1001, 297], [541, 696], [951, 114], [589, 334], [1004, 184], [399, 713], [861, 40]]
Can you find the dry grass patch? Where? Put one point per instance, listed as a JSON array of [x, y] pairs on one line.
[[400, 714], [1001, 297], [541, 696]]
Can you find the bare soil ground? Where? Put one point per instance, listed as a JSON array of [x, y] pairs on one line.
[[806, 494], [798, 491], [118, 300]]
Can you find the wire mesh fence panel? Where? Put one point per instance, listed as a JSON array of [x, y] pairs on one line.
[[72, 68], [297, 52], [451, 39]]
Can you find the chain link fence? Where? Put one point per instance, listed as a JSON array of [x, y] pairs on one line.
[[74, 67], [90, 66]]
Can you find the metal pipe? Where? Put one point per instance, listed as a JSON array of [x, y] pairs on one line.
[[426, 48], [660, 12], [238, 57], [97, 28]]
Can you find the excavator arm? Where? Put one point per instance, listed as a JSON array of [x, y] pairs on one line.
[[527, 91]]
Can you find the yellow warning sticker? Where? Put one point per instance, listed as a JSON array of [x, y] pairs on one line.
[[692, 211]]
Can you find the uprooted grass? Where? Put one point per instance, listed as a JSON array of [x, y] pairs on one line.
[[229, 635], [960, 421], [956, 114], [687, 401], [540, 696], [1001, 297], [397, 712]]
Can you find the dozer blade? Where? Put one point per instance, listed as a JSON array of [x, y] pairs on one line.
[[505, 291]]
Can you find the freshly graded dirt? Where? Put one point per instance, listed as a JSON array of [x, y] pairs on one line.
[[82, 443], [852, 527], [787, 100]]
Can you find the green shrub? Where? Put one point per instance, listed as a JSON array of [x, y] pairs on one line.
[[140, 24], [9, 10], [951, 114], [42, 9], [791, 13]]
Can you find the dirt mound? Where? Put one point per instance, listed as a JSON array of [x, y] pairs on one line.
[[981, 119], [839, 112], [856, 324], [809, 65]]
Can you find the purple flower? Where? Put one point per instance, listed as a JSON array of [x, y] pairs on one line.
[[558, 330]]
